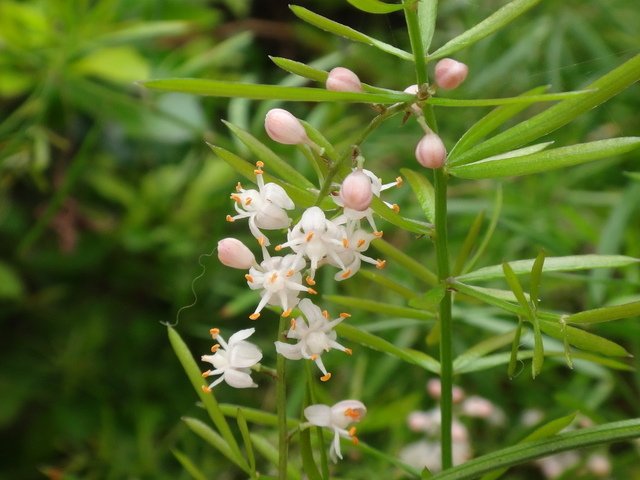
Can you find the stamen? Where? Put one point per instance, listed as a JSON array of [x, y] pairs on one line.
[[325, 314], [254, 316], [314, 357], [352, 432], [309, 236], [311, 291], [274, 277], [355, 440], [248, 201], [215, 348], [325, 378], [345, 242], [292, 325], [310, 281], [378, 234], [257, 171], [346, 273], [345, 315], [287, 312], [259, 164], [278, 248], [348, 351], [395, 207], [361, 242], [206, 389], [399, 181], [229, 218], [249, 278], [290, 273], [239, 187], [206, 373], [352, 413], [214, 332], [380, 264], [236, 198], [262, 241]]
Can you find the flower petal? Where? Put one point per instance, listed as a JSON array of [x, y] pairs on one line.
[[238, 379], [292, 352], [318, 415], [245, 355]]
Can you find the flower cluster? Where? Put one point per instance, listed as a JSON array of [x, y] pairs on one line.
[[288, 271]]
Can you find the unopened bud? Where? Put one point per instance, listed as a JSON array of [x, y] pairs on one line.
[[450, 73], [235, 254], [284, 128], [413, 90], [342, 79], [434, 387], [356, 191], [430, 151], [475, 406]]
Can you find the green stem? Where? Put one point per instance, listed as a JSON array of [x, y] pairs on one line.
[[281, 406], [442, 252]]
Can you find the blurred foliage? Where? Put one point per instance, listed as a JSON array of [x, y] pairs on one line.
[[108, 196]]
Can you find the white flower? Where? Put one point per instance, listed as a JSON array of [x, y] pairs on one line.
[[351, 215], [280, 280], [358, 241], [233, 360], [316, 238], [338, 419], [265, 207], [315, 335], [425, 453]]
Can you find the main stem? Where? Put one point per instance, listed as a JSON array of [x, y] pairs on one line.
[[442, 251], [281, 406]]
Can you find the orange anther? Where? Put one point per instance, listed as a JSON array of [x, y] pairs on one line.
[[257, 171], [254, 316], [259, 164], [278, 248], [290, 273], [325, 378], [345, 315], [293, 324], [236, 198], [287, 312], [274, 277], [395, 207], [206, 373], [214, 332], [378, 234], [380, 264], [355, 440], [249, 278], [206, 389], [248, 201], [229, 218], [325, 314], [311, 291], [309, 236], [345, 242], [348, 351], [361, 242], [346, 273], [399, 181], [352, 413], [352, 432], [314, 357], [262, 241], [310, 281], [215, 348]]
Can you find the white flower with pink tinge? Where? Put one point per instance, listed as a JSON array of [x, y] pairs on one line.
[[316, 238], [233, 360], [338, 418], [315, 334], [352, 256], [350, 215], [265, 207], [279, 280]]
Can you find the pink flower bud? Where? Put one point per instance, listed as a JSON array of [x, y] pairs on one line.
[[434, 388], [450, 73], [235, 254], [342, 79], [475, 406], [284, 128], [356, 191], [430, 151]]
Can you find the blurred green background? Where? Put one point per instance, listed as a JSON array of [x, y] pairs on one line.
[[109, 195]]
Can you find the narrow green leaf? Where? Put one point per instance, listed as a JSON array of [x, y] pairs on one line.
[[516, 288], [485, 28], [409, 224], [300, 197], [581, 339], [386, 282], [546, 160], [216, 88], [268, 451], [141, 31], [346, 32], [379, 307], [375, 6], [379, 344], [536, 278], [253, 415], [558, 115], [605, 314], [547, 430], [427, 15], [495, 215], [552, 264], [423, 190], [490, 102], [518, 454], [468, 244], [412, 266], [483, 348], [308, 462], [520, 152], [210, 436], [301, 69], [246, 438], [515, 346], [430, 300], [208, 399], [188, 465], [321, 141], [487, 124]]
